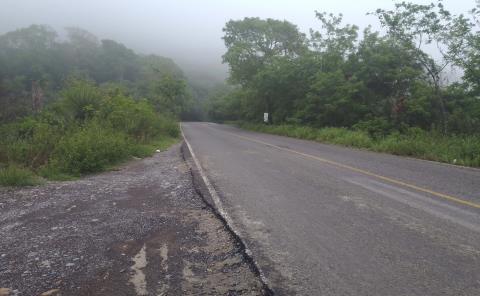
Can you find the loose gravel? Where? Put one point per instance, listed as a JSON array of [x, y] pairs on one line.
[[139, 230]]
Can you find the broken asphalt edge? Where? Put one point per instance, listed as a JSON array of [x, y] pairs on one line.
[[216, 206]]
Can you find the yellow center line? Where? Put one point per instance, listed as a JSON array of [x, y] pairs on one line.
[[354, 169]]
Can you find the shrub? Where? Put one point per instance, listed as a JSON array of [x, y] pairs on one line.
[[376, 128], [30, 142], [80, 100], [137, 118], [167, 125], [17, 176], [86, 131], [90, 149]]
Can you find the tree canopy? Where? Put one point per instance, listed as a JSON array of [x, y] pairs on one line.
[[398, 79], [36, 63]]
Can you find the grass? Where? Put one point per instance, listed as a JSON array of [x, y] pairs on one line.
[[13, 175], [459, 150], [17, 176], [162, 144]]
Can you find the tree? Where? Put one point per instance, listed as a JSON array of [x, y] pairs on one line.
[[82, 51], [253, 44], [29, 64], [389, 72], [117, 62], [334, 41], [35, 65], [470, 60], [171, 95], [413, 26], [333, 100]]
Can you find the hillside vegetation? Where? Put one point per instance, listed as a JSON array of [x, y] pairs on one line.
[[394, 91], [80, 106]]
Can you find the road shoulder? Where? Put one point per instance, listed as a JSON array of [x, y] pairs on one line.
[[140, 230]]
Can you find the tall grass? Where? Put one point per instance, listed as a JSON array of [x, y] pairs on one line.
[[460, 150], [17, 176]]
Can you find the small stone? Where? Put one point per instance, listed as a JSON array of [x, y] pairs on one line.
[[45, 263], [69, 264], [95, 220], [3, 255], [158, 150], [51, 292], [4, 291]]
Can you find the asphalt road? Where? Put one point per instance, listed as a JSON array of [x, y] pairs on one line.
[[327, 220]]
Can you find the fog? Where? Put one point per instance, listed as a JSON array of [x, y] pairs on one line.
[[188, 31]]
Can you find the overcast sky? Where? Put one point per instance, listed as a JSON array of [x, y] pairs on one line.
[[189, 31]]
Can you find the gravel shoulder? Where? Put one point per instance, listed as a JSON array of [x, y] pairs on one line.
[[142, 229]]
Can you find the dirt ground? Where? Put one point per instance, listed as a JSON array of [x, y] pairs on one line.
[[139, 230]]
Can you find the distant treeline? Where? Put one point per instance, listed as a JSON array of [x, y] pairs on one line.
[[35, 64], [380, 83]]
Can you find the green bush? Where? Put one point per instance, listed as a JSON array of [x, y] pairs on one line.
[[168, 126], [376, 128], [138, 119], [91, 149], [17, 176], [86, 131], [30, 142], [135, 118], [80, 100]]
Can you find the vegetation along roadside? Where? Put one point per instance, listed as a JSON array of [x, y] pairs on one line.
[[80, 106], [459, 150], [410, 89]]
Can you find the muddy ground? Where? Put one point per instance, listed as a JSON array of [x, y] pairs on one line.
[[139, 230]]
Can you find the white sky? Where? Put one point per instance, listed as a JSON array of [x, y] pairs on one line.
[[188, 31]]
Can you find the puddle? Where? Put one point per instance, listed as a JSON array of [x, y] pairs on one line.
[[164, 254], [138, 277]]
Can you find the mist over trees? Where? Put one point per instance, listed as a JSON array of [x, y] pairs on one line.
[[35, 58], [379, 82]]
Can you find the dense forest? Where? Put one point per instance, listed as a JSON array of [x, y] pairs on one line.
[[411, 89], [79, 105]]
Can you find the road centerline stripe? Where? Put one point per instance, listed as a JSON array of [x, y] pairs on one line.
[[365, 172]]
